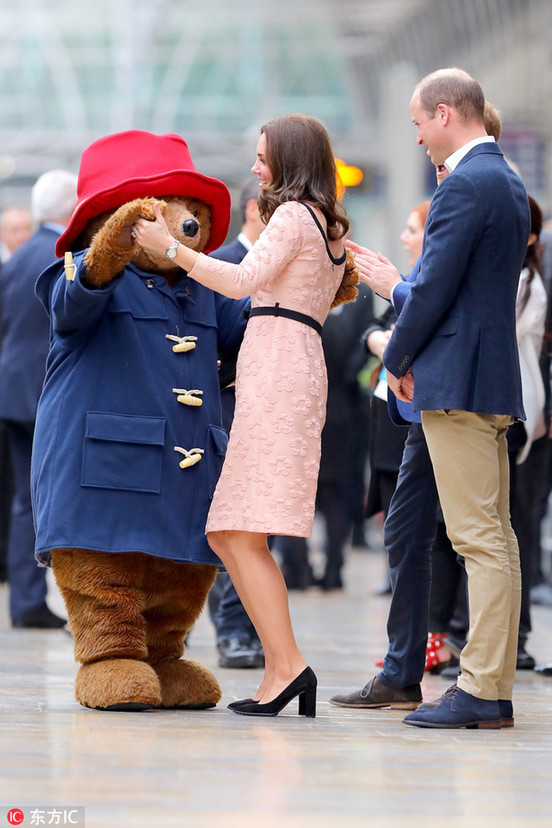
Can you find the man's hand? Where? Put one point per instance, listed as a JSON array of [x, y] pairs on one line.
[[402, 387], [375, 270]]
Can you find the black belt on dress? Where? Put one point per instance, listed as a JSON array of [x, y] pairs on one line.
[[276, 310]]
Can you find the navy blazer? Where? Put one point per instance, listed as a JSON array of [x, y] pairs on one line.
[[25, 327], [233, 252], [457, 329], [402, 413]]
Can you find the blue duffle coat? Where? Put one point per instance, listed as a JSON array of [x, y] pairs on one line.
[[105, 474]]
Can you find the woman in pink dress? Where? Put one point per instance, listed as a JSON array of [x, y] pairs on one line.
[[296, 272]]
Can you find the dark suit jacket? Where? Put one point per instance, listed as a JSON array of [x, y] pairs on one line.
[[232, 252], [402, 413], [25, 327], [457, 327]]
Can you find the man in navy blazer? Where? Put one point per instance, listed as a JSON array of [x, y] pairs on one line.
[[453, 353], [409, 533], [410, 526], [25, 335]]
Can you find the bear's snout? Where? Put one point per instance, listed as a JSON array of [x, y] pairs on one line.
[[190, 227]]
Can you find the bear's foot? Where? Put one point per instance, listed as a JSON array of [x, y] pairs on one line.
[[187, 685], [118, 684]]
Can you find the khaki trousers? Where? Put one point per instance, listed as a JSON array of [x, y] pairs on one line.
[[469, 455]]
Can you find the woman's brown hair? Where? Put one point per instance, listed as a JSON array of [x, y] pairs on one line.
[[300, 158]]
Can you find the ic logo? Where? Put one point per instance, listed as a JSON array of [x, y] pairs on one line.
[[15, 816]]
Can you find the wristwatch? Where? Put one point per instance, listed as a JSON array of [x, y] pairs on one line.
[[170, 252]]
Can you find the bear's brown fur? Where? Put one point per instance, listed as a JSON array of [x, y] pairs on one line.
[[130, 613]]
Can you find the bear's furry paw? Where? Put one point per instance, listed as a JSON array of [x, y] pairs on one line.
[[118, 684], [112, 247], [187, 684]]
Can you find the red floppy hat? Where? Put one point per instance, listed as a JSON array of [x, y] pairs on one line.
[[137, 164]]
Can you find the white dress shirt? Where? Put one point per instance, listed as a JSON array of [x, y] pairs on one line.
[[453, 160]]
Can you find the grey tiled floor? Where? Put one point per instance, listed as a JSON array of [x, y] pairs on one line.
[[213, 768]]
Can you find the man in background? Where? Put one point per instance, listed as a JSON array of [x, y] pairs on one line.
[[16, 226], [25, 336], [237, 641]]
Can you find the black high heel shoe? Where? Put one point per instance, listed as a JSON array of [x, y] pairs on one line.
[[239, 702], [303, 686]]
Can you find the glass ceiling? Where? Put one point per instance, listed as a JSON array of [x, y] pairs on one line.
[[214, 70]]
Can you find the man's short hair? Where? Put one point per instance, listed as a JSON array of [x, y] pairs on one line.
[[453, 87], [54, 195], [249, 190]]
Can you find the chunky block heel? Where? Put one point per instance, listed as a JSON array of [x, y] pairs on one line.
[[307, 703], [304, 687]]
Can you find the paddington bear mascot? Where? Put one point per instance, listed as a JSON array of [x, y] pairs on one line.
[[128, 442]]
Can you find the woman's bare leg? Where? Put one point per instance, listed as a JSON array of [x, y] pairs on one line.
[[262, 590]]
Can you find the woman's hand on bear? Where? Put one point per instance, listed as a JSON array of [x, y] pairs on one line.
[[113, 246], [154, 235], [141, 208]]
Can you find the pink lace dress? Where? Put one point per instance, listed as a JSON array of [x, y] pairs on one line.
[[269, 476]]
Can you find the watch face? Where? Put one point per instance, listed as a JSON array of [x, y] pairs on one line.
[[170, 252]]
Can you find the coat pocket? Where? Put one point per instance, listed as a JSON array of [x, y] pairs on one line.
[[218, 441], [123, 451], [447, 328]]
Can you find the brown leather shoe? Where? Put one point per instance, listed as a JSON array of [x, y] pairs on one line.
[[378, 694]]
